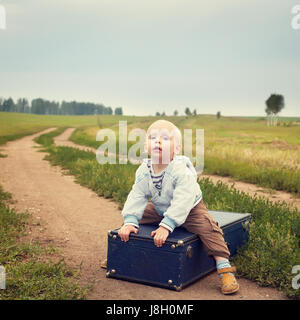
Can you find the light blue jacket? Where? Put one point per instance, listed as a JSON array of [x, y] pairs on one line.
[[179, 194]]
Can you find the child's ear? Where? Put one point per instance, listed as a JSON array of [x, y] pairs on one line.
[[146, 146], [177, 148]]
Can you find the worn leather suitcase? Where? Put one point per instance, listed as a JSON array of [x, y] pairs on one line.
[[179, 262]]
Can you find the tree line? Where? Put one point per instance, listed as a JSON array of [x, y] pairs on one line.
[[42, 106], [275, 103], [187, 112]]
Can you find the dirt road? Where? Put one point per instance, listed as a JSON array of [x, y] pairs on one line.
[[76, 220]]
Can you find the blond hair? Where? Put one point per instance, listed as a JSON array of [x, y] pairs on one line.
[[171, 128]]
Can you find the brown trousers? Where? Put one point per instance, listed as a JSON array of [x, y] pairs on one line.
[[199, 222]]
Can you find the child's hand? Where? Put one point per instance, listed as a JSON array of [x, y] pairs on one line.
[[160, 236], [125, 231]]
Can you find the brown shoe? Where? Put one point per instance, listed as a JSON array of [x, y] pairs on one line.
[[103, 264], [229, 283]]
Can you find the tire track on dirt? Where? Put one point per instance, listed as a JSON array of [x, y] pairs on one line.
[[76, 220]]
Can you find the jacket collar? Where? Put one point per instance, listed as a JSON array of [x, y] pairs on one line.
[[148, 161], [177, 158]]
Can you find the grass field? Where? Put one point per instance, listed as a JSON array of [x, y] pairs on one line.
[[15, 125], [244, 148]]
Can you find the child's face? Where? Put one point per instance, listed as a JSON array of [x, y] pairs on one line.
[[161, 144]]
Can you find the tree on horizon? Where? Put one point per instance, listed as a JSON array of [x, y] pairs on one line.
[[119, 111], [275, 103], [187, 111]]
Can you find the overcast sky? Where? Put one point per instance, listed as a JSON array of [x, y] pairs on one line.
[[153, 55]]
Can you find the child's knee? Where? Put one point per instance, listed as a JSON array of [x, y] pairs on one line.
[[209, 224]]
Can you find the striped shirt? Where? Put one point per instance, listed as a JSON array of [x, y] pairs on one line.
[[157, 179]]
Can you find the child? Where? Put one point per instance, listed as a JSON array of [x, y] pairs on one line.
[[176, 199]]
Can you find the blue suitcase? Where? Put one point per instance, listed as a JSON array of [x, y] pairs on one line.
[[179, 262]]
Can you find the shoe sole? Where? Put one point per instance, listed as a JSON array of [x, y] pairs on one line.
[[103, 264], [231, 292]]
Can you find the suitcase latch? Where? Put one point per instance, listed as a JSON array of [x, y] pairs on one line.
[[246, 225], [189, 251], [179, 243]]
